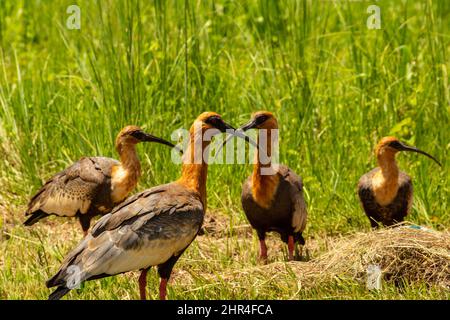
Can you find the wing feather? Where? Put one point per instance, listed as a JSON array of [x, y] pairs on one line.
[[147, 229], [300, 214], [73, 190]]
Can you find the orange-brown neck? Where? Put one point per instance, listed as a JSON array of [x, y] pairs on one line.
[[385, 181], [264, 186], [195, 168], [130, 160], [125, 176]]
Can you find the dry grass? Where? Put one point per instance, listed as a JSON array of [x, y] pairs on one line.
[[223, 263], [404, 254]]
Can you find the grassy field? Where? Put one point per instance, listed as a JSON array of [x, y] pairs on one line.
[[336, 87]]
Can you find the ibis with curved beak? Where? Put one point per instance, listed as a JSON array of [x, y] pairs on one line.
[[151, 228], [273, 201], [92, 185], [386, 193]]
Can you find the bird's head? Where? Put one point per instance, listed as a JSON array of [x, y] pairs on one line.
[[214, 122], [260, 120], [211, 120], [391, 145], [131, 135]]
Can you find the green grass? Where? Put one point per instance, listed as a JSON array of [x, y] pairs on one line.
[[335, 86]]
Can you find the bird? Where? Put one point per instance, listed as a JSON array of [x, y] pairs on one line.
[[385, 192], [92, 185], [273, 200], [151, 228]]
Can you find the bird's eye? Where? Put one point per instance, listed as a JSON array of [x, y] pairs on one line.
[[136, 134], [213, 120], [395, 144], [261, 119]]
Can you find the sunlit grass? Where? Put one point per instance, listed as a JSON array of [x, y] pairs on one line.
[[336, 87]]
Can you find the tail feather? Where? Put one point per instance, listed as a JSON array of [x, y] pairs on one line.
[[58, 293], [35, 217], [54, 281]]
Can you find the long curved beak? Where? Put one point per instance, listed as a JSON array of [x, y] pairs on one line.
[[147, 137], [249, 125], [236, 133], [239, 132], [405, 147]]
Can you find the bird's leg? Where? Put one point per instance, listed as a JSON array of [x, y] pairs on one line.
[[291, 247], [262, 246], [298, 252], [263, 250], [163, 289], [165, 270], [143, 283]]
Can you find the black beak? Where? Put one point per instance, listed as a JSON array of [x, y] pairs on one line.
[[253, 123], [405, 147], [234, 133], [239, 133], [146, 137]]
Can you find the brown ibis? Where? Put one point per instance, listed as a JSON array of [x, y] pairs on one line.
[[151, 228], [273, 202], [92, 185], [386, 193]]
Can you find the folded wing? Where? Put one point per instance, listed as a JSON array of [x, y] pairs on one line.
[[73, 190], [145, 230]]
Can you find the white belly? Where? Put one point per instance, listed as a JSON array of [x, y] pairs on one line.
[[151, 253]]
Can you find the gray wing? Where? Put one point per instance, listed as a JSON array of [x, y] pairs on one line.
[[365, 191], [145, 230], [300, 214], [73, 190], [367, 198]]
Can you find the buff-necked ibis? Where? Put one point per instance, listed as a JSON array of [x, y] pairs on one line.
[[92, 185], [151, 228], [273, 200], [386, 193]]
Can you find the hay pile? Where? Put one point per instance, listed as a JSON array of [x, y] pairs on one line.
[[402, 253]]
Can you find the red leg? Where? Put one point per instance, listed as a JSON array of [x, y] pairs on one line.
[[163, 289], [263, 250], [143, 283], [291, 248]]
